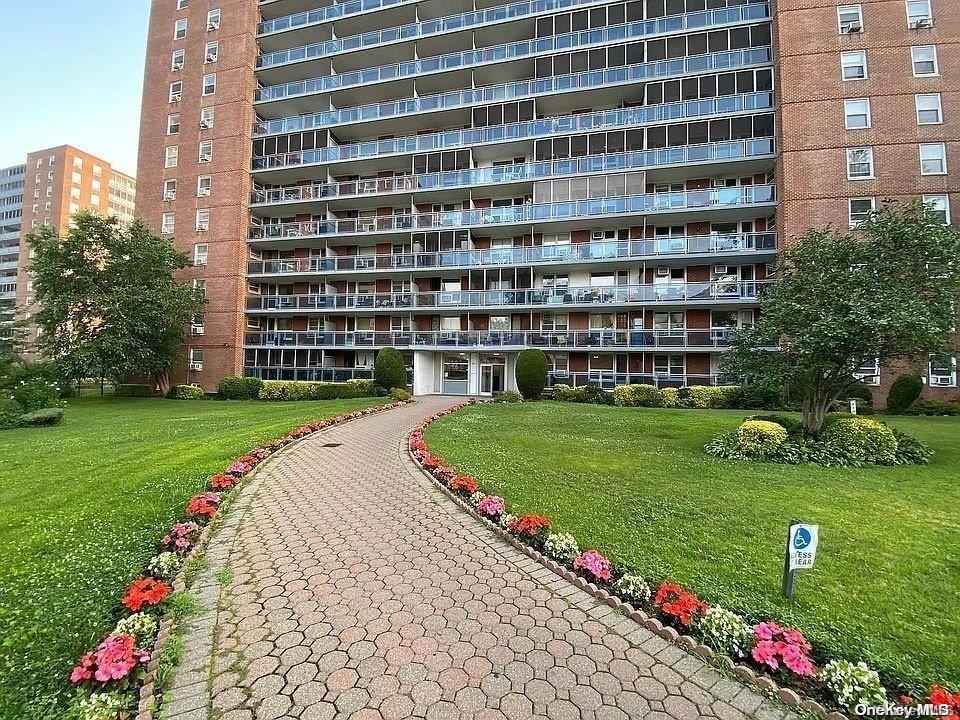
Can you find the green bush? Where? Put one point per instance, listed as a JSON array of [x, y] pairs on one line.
[[911, 451], [637, 396], [10, 413], [791, 425], [863, 438], [760, 438], [294, 390], [240, 388], [566, 393], [399, 395], [389, 370], [360, 387], [702, 397], [860, 392], [941, 408], [134, 391], [755, 397], [904, 392], [33, 392], [510, 396], [186, 392], [671, 397], [44, 417], [531, 373]]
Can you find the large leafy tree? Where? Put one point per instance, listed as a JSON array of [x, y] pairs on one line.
[[109, 303], [887, 290]]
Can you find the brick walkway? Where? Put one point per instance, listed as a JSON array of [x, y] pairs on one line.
[[359, 590]]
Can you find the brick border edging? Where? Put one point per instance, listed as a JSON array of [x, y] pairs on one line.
[[745, 674], [147, 703]]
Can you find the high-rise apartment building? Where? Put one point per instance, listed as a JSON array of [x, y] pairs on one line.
[[607, 181], [11, 209]]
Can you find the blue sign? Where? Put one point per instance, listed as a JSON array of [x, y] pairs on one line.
[[801, 538], [803, 543]]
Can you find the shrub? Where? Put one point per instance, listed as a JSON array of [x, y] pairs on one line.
[[943, 408], [911, 451], [860, 392], [186, 392], [756, 397], [904, 392], [510, 396], [852, 684], [34, 392], [295, 390], [596, 395], [531, 373], [726, 632], [671, 397], [361, 387], [759, 438], [240, 388], [632, 589], [702, 397], [400, 395], [134, 391], [44, 417], [10, 413], [389, 369], [562, 547], [637, 396], [565, 393], [865, 439]]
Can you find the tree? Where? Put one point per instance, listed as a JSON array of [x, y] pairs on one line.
[[531, 373], [887, 291], [389, 370], [13, 337], [109, 304]]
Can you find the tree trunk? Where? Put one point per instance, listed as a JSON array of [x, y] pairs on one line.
[[815, 406], [162, 381]]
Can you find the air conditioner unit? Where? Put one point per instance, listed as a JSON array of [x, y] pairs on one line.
[[178, 66], [169, 195], [852, 28], [203, 227], [941, 380], [176, 97], [206, 158], [719, 269], [663, 271], [196, 367], [203, 192], [596, 235], [211, 57], [197, 330], [921, 23], [205, 124], [213, 26]]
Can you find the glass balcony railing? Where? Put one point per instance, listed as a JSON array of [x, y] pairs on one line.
[[526, 172], [608, 380], [510, 51], [523, 89], [313, 374], [325, 14], [589, 297], [641, 339], [705, 199], [647, 248]]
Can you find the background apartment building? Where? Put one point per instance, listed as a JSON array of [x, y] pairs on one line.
[[607, 181], [11, 209]]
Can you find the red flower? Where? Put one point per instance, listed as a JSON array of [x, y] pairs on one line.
[[466, 484], [144, 592], [222, 482], [678, 604], [942, 696], [530, 525], [204, 505]]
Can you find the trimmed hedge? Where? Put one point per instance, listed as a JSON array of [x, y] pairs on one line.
[[186, 392], [398, 395], [389, 369], [134, 391], [700, 397], [703, 397], [240, 388], [790, 424], [935, 407], [293, 390], [531, 373], [42, 418], [904, 392], [637, 396], [862, 437], [760, 438]]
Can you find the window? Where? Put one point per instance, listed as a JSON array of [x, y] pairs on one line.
[[559, 364], [860, 210], [668, 364], [78, 163], [859, 163], [849, 19], [943, 370], [203, 221], [853, 65], [856, 113], [196, 359], [176, 91], [924, 60], [929, 111], [209, 84], [213, 20], [167, 224], [176, 60], [200, 284], [919, 13], [169, 190], [95, 200], [172, 156], [940, 206], [211, 52], [206, 151], [206, 118], [95, 186], [97, 171], [173, 123], [552, 321], [182, 4], [200, 253], [180, 29], [75, 177], [869, 372], [933, 159], [204, 185], [669, 320]]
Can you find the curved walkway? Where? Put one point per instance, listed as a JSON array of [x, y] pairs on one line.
[[346, 585]]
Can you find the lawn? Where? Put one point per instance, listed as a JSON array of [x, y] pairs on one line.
[[81, 509], [636, 484]]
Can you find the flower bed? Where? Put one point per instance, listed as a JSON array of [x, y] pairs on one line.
[[115, 680], [778, 660]]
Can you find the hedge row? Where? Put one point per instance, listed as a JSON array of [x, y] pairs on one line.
[[284, 390], [697, 396]]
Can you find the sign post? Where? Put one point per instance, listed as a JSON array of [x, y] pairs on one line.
[[802, 541]]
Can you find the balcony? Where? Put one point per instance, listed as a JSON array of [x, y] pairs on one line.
[[666, 203], [610, 380], [610, 251], [311, 374], [318, 16], [466, 340], [675, 293], [300, 198], [8, 291]]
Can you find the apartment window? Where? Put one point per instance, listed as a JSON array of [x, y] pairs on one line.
[[849, 19], [182, 4], [206, 118], [856, 113], [943, 370], [176, 60], [75, 177], [860, 210], [209, 84], [206, 151], [869, 372], [204, 185], [95, 200], [924, 60], [173, 123], [919, 13], [859, 163], [213, 20], [929, 111], [167, 223], [97, 171], [853, 65], [74, 193], [200, 284], [933, 159], [554, 321], [939, 205], [172, 156], [78, 162], [169, 190], [180, 29], [668, 364], [211, 52], [95, 185], [200, 253], [176, 91], [196, 359], [203, 220]]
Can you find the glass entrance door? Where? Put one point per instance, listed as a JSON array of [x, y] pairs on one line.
[[492, 378]]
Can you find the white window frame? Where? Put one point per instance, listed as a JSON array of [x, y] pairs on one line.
[[176, 91], [177, 60], [204, 185], [169, 190], [196, 359], [847, 114], [168, 223], [939, 108], [207, 116], [179, 28], [940, 155], [203, 219], [856, 222], [868, 161], [171, 156], [201, 252], [842, 24], [211, 52], [205, 150], [914, 60], [853, 59], [869, 373], [208, 85], [182, 4], [173, 121], [938, 200], [951, 378], [213, 20], [926, 14]]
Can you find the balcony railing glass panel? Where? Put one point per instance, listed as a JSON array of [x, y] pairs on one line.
[[324, 14]]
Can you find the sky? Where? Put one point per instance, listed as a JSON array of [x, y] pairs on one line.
[[74, 74]]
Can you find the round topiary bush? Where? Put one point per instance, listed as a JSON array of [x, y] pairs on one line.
[[904, 392], [389, 369], [760, 438], [531, 373], [863, 438]]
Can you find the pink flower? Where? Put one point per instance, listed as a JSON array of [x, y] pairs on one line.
[[776, 645], [594, 563], [113, 659], [491, 506]]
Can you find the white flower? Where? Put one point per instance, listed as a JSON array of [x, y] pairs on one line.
[[633, 589], [164, 566], [104, 706], [726, 631], [141, 625], [476, 498], [852, 684], [562, 547]]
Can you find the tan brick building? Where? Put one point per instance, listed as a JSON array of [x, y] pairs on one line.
[[608, 181]]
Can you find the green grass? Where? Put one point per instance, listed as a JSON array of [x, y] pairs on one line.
[[81, 509], [636, 484]]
